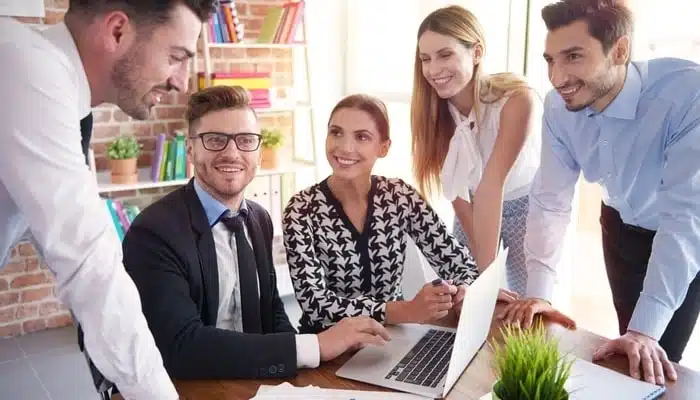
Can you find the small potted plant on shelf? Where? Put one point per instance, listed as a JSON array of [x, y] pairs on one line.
[[272, 140], [123, 153], [528, 365]]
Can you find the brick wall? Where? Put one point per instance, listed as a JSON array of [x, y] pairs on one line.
[[27, 297]]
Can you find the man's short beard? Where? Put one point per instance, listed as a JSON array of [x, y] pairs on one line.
[[125, 79]]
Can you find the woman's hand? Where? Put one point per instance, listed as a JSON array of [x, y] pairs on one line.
[[433, 302]]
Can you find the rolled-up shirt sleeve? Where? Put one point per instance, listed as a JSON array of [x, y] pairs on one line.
[[43, 169], [551, 198]]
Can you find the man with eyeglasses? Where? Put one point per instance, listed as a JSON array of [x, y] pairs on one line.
[[201, 258]]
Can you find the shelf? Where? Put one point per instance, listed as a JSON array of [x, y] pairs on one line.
[[104, 184], [256, 45]]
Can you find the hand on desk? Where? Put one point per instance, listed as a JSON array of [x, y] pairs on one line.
[[523, 311], [644, 354], [351, 333]]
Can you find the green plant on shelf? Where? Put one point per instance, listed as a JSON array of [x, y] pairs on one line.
[[271, 138], [123, 147], [528, 365]]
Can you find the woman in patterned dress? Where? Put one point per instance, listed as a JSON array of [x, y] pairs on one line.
[[345, 237], [474, 138]]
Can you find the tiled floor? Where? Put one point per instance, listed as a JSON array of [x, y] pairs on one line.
[[49, 366]]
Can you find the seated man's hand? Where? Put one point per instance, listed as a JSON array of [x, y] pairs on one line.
[[645, 357], [523, 311], [433, 302], [349, 334]]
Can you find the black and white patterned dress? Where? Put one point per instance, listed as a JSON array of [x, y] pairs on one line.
[[338, 272]]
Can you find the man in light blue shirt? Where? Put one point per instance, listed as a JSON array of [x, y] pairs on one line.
[[634, 129]]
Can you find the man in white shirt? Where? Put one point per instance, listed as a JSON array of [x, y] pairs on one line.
[[201, 258], [125, 52]]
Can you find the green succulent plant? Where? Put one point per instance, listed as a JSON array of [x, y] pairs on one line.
[[123, 147], [271, 138], [528, 365]]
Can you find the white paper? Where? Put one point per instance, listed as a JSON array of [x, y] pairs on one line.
[[22, 8], [289, 392]]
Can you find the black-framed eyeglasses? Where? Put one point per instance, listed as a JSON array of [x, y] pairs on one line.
[[217, 141]]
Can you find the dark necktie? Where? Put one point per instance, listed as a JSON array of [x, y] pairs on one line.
[[85, 134], [247, 274]]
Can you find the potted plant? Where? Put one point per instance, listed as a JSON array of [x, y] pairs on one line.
[[123, 153], [528, 366], [272, 140]]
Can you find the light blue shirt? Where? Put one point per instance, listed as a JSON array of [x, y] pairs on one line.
[[213, 208], [644, 151]]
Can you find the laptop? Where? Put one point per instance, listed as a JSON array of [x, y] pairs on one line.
[[420, 359]]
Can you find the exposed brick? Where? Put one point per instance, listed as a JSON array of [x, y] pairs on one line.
[[172, 126], [32, 264], [99, 148], [27, 311], [26, 249], [8, 299], [120, 116], [216, 53], [283, 67], [242, 8], [29, 280], [143, 129], [4, 285], [7, 314], [48, 308], [174, 112], [102, 115], [34, 325], [36, 294], [253, 25], [159, 128], [258, 53], [281, 54], [11, 330], [145, 160], [105, 131], [220, 66], [59, 321], [14, 267], [101, 163], [148, 145], [234, 53]]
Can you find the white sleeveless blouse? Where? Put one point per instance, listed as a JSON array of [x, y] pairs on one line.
[[471, 147]]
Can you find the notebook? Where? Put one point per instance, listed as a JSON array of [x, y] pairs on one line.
[[591, 381]]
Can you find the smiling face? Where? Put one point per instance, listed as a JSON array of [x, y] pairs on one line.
[[581, 72], [225, 174], [447, 64], [354, 144], [153, 61]]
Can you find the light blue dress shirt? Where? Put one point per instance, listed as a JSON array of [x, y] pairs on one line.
[[644, 151], [213, 208]]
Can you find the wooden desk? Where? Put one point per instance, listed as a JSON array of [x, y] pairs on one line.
[[474, 382]]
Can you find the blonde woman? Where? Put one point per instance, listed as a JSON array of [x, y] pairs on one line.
[[473, 139]]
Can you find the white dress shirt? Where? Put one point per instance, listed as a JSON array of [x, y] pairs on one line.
[[229, 314], [47, 189], [471, 147]]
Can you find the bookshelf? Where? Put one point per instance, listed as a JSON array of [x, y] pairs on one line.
[[104, 184]]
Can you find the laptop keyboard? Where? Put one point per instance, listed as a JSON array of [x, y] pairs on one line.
[[426, 363]]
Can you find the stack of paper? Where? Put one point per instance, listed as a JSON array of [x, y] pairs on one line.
[[289, 392]]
